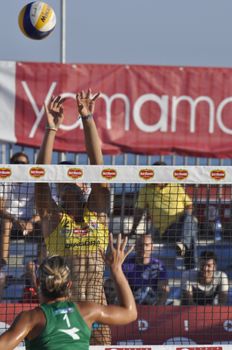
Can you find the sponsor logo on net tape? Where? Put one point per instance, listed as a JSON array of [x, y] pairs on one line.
[[146, 174], [37, 172], [109, 173], [180, 174], [218, 174], [5, 172], [75, 173]]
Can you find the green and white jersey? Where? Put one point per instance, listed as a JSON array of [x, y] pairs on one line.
[[65, 329]]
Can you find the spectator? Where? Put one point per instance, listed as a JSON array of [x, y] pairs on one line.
[[76, 228], [110, 291], [205, 286], [146, 275], [17, 209], [30, 294], [58, 322], [171, 212]]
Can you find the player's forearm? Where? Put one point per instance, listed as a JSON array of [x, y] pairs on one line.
[[45, 153], [124, 293], [92, 141]]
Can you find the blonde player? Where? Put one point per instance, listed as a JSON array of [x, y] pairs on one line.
[[58, 323]]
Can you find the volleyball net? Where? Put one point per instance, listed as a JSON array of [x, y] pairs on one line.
[[178, 218]]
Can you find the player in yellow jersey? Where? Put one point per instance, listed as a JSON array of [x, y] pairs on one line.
[[58, 323], [76, 228]]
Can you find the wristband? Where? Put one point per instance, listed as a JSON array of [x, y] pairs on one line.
[[86, 117], [51, 128]]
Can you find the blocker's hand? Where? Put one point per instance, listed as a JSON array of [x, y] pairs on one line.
[[118, 253], [55, 112], [86, 102]]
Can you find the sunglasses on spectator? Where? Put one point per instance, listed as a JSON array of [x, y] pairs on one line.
[[19, 162]]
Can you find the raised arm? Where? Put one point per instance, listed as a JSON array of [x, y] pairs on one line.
[[55, 115], [86, 106], [126, 311], [99, 198]]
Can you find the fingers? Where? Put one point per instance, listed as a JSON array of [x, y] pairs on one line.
[[129, 251], [46, 108], [119, 240], [111, 242], [95, 97], [56, 103], [79, 104], [88, 93], [124, 243]]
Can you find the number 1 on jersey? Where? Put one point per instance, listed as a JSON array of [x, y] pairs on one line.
[[65, 318]]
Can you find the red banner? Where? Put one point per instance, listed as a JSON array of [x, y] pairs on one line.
[[163, 325], [175, 325], [142, 109]]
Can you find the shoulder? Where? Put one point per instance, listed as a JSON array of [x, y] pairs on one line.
[[157, 263], [88, 310], [220, 276], [30, 317]]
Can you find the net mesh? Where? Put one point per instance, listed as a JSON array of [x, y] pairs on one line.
[[178, 218]]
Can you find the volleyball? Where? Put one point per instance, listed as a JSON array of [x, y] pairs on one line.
[[37, 20]]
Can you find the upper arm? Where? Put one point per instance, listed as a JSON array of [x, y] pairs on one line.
[[114, 315], [43, 199], [18, 331], [110, 314], [224, 287]]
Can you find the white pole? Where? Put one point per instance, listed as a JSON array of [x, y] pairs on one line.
[[63, 32], [61, 155]]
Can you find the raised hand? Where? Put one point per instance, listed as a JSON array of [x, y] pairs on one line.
[[54, 112], [86, 102], [118, 253]]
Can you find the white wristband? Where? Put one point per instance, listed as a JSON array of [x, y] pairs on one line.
[[86, 117]]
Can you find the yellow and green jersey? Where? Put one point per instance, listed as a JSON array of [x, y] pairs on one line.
[[71, 237]]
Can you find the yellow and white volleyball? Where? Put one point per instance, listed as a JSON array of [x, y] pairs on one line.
[[37, 20]]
